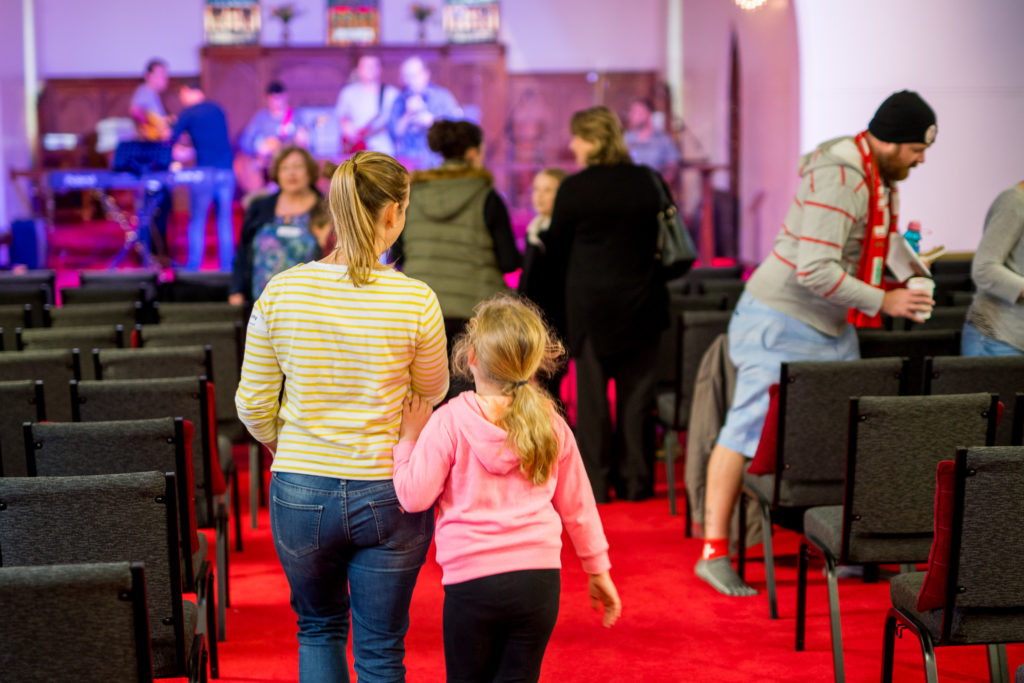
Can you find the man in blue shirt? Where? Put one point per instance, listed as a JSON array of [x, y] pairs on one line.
[[415, 109], [207, 127]]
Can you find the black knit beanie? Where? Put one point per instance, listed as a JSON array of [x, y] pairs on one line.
[[904, 117]]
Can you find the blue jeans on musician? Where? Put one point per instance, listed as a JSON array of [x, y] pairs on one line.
[[222, 189], [346, 545], [974, 343]]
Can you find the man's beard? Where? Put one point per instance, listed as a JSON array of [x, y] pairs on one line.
[[891, 171]]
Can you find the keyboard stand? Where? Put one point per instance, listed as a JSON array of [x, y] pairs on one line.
[[136, 228]]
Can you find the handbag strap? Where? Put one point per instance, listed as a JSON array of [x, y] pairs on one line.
[[664, 200]]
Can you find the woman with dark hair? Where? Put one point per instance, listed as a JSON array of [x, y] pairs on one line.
[[276, 231], [458, 237], [603, 237]]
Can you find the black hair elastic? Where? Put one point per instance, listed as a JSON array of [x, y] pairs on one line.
[[519, 384]]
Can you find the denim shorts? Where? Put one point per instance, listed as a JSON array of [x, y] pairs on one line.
[[974, 342], [761, 339]]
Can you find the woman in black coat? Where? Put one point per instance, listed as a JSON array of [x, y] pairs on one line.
[[604, 230]]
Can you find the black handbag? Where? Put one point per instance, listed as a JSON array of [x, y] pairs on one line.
[[675, 248]]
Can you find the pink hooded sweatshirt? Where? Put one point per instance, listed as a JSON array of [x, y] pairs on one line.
[[492, 519]]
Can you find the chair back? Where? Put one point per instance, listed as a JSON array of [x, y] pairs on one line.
[[83, 296], [119, 279], [729, 288], [224, 338], [13, 316], [1000, 375], [23, 402], [814, 397], [914, 345], [68, 449], [36, 296], [153, 362], [984, 585], [104, 518], [56, 368], [942, 318], [196, 286], [41, 277], [697, 330], [141, 399], [1017, 437], [183, 313], [86, 622], [895, 444], [123, 313]]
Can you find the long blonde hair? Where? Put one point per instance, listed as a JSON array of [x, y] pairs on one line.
[[511, 343], [362, 187]]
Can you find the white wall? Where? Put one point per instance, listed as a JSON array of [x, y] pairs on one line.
[[117, 37], [963, 56], [14, 148]]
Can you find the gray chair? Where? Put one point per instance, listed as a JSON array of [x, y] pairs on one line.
[[123, 313], [1000, 375], [810, 461], [23, 402], [185, 397], [895, 444], [694, 332], [123, 279], [85, 337], [86, 622], [153, 362], [36, 296], [41, 277], [13, 316], [204, 285], [956, 298], [914, 345], [942, 318], [226, 340], [729, 288], [80, 296], [110, 518], [183, 313], [67, 449], [984, 598], [56, 368]]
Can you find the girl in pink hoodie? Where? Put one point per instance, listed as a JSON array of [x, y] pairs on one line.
[[504, 470]]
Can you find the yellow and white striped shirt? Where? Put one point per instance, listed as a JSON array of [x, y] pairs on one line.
[[347, 357]]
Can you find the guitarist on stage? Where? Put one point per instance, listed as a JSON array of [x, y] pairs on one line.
[[153, 124], [363, 108], [268, 130]]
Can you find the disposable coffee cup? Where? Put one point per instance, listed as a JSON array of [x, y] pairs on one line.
[[924, 284]]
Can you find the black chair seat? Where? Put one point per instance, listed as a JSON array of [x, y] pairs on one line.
[[823, 526]]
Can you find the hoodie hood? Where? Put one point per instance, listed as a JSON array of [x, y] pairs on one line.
[[462, 185], [486, 440], [836, 152]]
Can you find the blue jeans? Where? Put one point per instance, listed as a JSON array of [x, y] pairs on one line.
[[221, 188], [346, 544], [974, 343]]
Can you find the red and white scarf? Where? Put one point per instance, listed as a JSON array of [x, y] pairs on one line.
[[876, 234]]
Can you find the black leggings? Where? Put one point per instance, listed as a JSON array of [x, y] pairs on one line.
[[496, 628]]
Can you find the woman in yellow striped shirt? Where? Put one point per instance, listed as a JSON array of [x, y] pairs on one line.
[[347, 340]]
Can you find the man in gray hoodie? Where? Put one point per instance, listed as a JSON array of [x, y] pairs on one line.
[[822, 279]]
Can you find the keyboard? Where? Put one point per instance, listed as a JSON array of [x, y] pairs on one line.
[[103, 179]]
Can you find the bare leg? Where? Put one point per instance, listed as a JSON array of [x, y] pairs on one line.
[[724, 478]]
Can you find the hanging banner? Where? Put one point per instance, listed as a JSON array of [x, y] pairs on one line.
[[353, 23], [231, 22], [471, 21]]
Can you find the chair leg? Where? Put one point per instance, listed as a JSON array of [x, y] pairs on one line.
[[236, 508], [769, 560], [801, 596], [925, 639], [221, 543], [689, 516], [888, 645], [212, 634], [741, 542], [263, 486], [833, 618], [670, 444], [255, 480], [998, 667]]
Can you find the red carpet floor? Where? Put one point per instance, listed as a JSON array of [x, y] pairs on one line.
[[673, 628]]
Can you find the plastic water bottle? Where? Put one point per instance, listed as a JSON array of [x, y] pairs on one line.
[[913, 236]]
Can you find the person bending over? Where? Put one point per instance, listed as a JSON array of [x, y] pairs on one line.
[[822, 279]]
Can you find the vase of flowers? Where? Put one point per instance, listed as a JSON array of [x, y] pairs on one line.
[[285, 13], [421, 12]]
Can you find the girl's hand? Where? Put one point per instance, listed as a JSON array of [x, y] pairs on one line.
[[416, 411], [603, 594]]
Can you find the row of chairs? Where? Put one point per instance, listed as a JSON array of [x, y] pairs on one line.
[[112, 492], [115, 285]]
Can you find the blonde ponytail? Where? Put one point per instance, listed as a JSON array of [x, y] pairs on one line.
[[512, 344], [361, 188]]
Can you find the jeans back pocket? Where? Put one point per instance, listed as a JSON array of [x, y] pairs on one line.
[[401, 530], [296, 526]]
